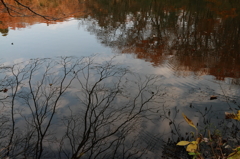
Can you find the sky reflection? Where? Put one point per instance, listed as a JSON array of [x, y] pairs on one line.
[[40, 41]]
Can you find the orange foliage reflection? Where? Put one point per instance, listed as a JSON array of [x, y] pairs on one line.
[[201, 37], [21, 17], [196, 37]]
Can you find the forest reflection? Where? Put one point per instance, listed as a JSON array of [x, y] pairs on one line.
[[194, 36], [72, 107], [200, 37], [14, 16]]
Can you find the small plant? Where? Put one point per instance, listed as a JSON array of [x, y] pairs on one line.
[[213, 144], [192, 147]]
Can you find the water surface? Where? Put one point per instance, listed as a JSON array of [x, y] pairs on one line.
[[192, 46]]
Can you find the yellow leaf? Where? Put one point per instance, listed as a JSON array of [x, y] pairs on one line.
[[183, 143], [199, 139], [238, 113], [194, 142], [234, 155], [230, 115], [237, 148], [233, 115], [192, 147], [189, 121]]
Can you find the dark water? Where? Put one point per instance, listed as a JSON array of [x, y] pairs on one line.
[[111, 78]]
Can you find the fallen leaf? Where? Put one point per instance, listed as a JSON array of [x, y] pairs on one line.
[[189, 121], [183, 143], [233, 115], [5, 90], [213, 97], [192, 147]]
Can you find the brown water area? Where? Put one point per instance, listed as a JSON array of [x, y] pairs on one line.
[[202, 36]]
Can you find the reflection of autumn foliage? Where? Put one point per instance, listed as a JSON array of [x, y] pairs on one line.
[[227, 67], [221, 66], [149, 50], [202, 36], [199, 35], [21, 17], [212, 48], [129, 19], [222, 8], [187, 65]]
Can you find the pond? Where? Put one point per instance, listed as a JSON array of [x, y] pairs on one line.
[[113, 78]]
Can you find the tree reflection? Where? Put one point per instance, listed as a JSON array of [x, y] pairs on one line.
[[74, 108], [17, 14], [197, 36], [202, 36], [77, 108]]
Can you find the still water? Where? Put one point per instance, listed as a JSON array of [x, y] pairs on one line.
[[110, 79]]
